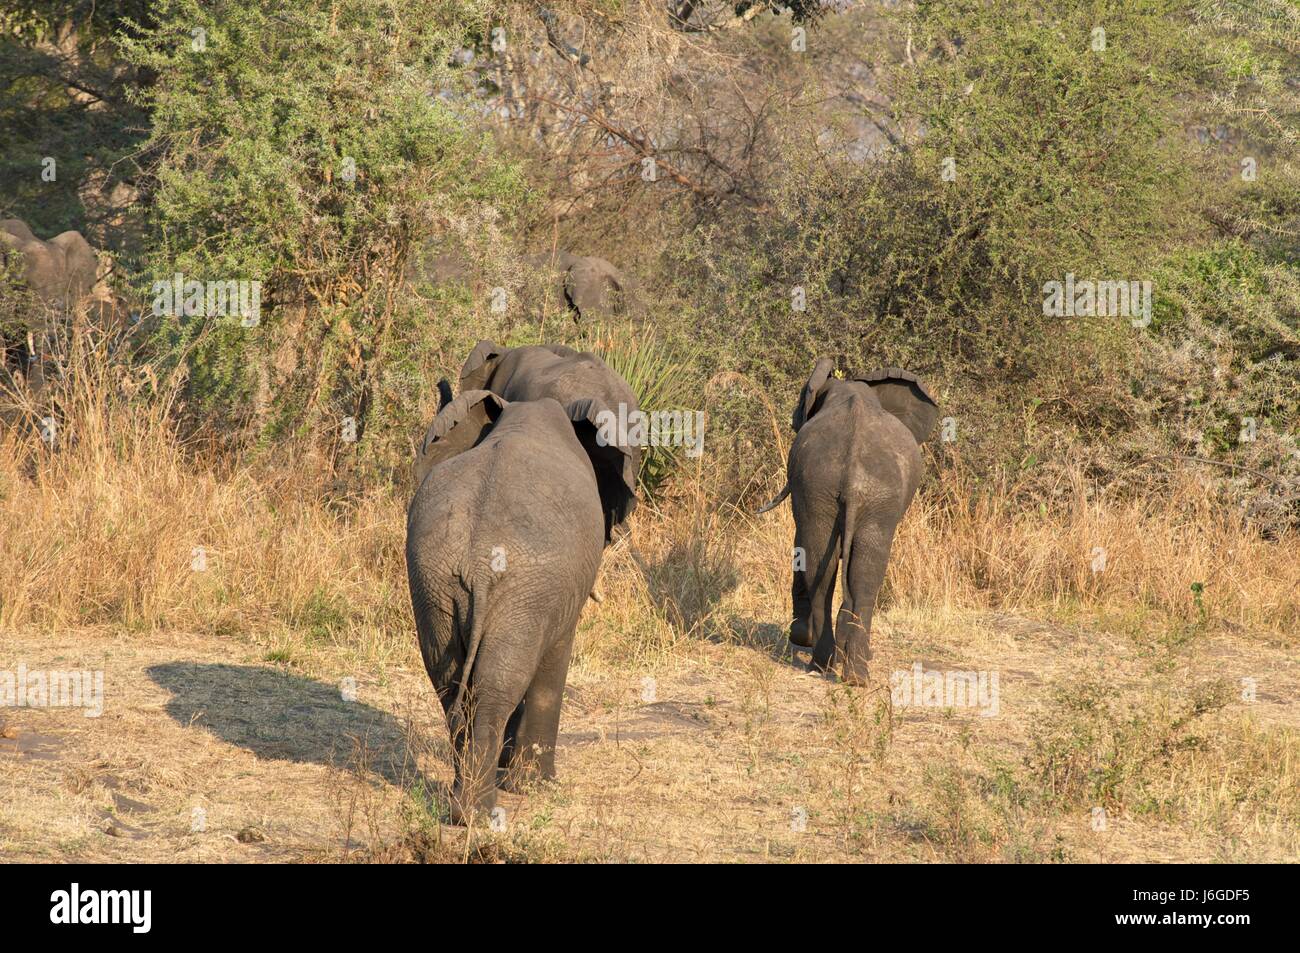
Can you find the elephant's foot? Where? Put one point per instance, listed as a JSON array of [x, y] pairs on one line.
[[801, 634], [855, 663], [467, 809], [820, 665], [855, 676]]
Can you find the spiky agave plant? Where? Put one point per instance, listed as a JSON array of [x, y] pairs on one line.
[[661, 379]]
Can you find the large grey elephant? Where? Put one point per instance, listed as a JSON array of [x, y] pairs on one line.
[[563, 374], [852, 471], [503, 542]]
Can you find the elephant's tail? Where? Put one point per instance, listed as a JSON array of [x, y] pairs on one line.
[[852, 477], [785, 491], [444, 393], [477, 615], [846, 550]]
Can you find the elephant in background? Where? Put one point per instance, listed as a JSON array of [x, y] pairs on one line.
[[852, 471], [61, 271], [569, 377], [504, 539], [589, 286]]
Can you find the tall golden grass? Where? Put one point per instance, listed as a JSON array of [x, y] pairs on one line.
[[1179, 552], [107, 527], [122, 521]]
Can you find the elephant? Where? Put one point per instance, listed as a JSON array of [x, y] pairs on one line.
[[61, 271], [587, 285], [559, 372], [591, 287], [503, 543], [852, 471]]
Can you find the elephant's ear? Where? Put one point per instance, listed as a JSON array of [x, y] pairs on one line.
[[616, 462], [459, 426], [902, 394], [812, 392], [479, 365]]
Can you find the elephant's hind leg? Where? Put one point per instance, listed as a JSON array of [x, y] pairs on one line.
[[819, 537], [510, 741], [534, 751], [864, 575], [801, 624], [475, 790]]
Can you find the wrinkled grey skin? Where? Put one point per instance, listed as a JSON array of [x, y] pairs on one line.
[[503, 542], [852, 471], [558, 372]]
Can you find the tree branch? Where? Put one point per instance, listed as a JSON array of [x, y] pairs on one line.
[[570, 53]]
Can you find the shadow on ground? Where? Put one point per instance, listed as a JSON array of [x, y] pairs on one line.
[[285, 717], [689, 582], [766, 637]]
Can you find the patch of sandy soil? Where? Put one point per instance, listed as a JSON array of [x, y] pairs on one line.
[[727, 751]]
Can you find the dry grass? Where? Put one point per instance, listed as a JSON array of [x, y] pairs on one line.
[[962, 545], [98, 538], [123, 523]]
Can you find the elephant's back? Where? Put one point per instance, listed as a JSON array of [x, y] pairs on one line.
[[515, 502], [854, 447], [566, 378]]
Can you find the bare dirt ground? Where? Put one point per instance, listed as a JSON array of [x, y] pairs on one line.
[[722, 750]]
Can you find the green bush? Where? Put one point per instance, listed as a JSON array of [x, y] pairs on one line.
[[662, 381], [1068, 155], [309, 146]]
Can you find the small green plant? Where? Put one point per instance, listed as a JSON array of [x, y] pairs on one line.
[[1198, 589]]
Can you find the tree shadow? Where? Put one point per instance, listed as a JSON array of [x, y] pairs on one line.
[[283, 717], [689, 582], [766, 637]]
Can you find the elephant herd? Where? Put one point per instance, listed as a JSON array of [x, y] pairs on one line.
[[518, 491]]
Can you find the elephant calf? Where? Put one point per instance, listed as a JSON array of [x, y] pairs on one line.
[[853, 468], [503, 540]]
